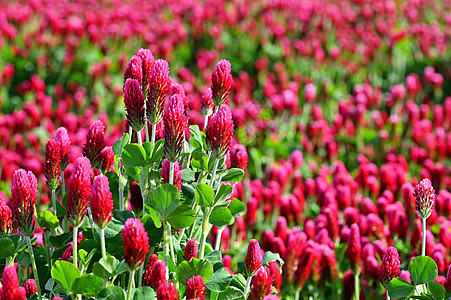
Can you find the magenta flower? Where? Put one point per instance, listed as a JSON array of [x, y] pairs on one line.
[[148, 272], [94, 143], [6, 220], [167, 291], [219, 132], [390, 267], [11, 290], [261, 284], [134, 104], [147, 65], [448, 280], [136, 198], [63, 138], [134, 69], [159, 86], [221, 82], [177, 88], [101, 201], [424, 198], [30, 287], [191, 249], [354, 249], [158, 274], [195, 288], [106, 159], [309, 92], [24, 194], [136, 243], [253, 260], [206, 104], [52, 168], [175, 124], [177, 174], [79, 187], [238, 156]]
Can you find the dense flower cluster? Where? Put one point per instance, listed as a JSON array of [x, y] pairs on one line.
[[136, 243]]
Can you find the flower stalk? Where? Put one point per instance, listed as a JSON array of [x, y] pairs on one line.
[[33, 263]]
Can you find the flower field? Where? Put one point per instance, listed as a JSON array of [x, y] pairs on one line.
[[225, 149]]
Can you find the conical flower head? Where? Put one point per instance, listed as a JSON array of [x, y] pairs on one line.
[[261, 284], [424, 198], [148, 272], [134, 69], [238, 156], [63, 138], [159, 87], [221, 82], [24, 194], [191, 249], [174, 124], [101, 201], [167, 291], [79, 187], [448, 280], [136, 243], [354, 249], [177, 88], [136, 198], [206, 105], [11, 290], [6, 217], [53, 164], [134, 104], [195, 288], [158, 274], [219, 132], [177, 174], [147, 64], [106, 159], [95, 142], [30, 287], [390, 267], [253, 260]]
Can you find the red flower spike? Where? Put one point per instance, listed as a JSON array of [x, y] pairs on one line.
[[195, 288], [219, 132], [30, 287], [134, 102], [148, 272], [390, 267], [221, 82], [177, 174], [167, 291], [101, 201], [424, 198], [94, 143], [79, 187], [63, 138], [134, 69], [24, 193], [177, 88], [306, 261], [253, 260], [159, 87], [206, 104], [158, 274], [148, 61], [106, 159], [136, 199], [6, 218], [53, 164], [174, 124], [261, 284], [238, 156], [354, 247], [448, 280], [136, 243], [191, 249], [309, 92], [11, 289]]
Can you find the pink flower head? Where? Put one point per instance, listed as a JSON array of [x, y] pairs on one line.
[[134, 104], [134, 69], [261, 284], [206, 104], [53, 164], [306, 260], [253, 260], [191, 249], [147, 64], [101, 201], [448, 280], [24, 194], [354, 247], [175, 124], [167, 291], [177, 174], [221, 82], [63, 138], [219, 132], [159, 86], [310, 92], [30, 287], [424, 198], [158, 274], [6, 220], [390, 267], [94, 143], [195, 288], [106, 159], [79, 187], [148, 272], [136, 243], [238, 156], [177, 88], [136, 198], [11, 289]]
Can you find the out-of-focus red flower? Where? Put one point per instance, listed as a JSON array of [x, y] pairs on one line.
[[159, 86], [390, 267], [221, 82], [167, 291], [195, 288], [136, 243], [158, 274], [63, 138], [95, 142], [261, 284], [310, 92], [148, 272], [238, 156], [30, 287], [253, 260], [448, 280], [148, 61], [424, 198], [10, 289], [177, 174], [134, 69], [354, 248], [136, 199], [79, 187], [101, 201], [24, 193], [6, 220], [53, 164], [191, 249], [206, 104], [106, 159], [134, 102]]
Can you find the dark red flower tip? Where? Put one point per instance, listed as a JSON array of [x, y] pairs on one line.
[[147, 64], [136, 198], [221, 82], [167, 291], [177, 174], [24, 193], [219, 132], [6, 219], [134, 69], [136, 243], [79, 190], [158, 274], [390, 267], [238, 156], [191, 249], [106, 159], [101, 201], [306, 260], [195, 288], [52, 168], [95, 142], [67, 255], [206, 104], [30, 287], [159, 87], [63, 138], [174, 124], [354, 248], [11, 290], [134, 102], [177, 88], [448, 280], [253, 260], [424, 198], [261, 284], [148, 272]]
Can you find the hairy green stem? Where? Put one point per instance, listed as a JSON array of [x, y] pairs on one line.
[[171, 173], [166, 245], [54, 201], [48, 248], [357, 287], [102, 242], [9, 261], [142, 183], [205, 122], [423, 239], [215, 168], [75, 245], [35, 269], [218, 238], [154, 128], [63, 184], [248, 286], [130, 284], [204, 234], [147, 132]]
